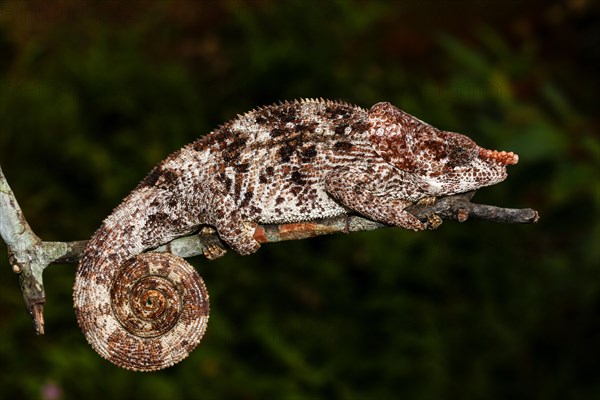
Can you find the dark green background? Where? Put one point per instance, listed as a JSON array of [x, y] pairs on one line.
[[93, 94]]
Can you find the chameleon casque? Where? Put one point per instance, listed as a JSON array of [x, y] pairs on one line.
[[288, 162]]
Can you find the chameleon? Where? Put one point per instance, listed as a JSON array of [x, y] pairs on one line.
[[288, 162]]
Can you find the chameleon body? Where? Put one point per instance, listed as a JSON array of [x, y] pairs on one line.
[[288, 162]]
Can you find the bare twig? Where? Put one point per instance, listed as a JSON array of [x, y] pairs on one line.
[[29, 255], [25, 253]]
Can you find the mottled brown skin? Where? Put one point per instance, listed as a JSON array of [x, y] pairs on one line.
[[283, 163]]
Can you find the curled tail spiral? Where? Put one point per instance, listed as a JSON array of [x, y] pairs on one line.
[[147, 315]]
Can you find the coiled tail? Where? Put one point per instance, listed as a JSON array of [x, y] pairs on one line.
[[140, 311]]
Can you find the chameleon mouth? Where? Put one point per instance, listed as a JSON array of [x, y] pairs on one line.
[[503, 157]]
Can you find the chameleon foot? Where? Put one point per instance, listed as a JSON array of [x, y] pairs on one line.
[[433, 221], [213, 247], [427, 201]]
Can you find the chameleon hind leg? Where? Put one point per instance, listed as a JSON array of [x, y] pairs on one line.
[[223, 214]]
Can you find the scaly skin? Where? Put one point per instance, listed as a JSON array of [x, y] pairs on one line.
[[289, 162]]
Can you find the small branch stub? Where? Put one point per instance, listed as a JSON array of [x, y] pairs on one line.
[[462, 214]]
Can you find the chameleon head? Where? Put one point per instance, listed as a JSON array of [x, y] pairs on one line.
[[455, 164], [439, 162]]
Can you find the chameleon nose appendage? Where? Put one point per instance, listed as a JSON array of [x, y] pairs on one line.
[[503, 157]]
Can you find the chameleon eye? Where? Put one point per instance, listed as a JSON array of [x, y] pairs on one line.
[[460, 150]]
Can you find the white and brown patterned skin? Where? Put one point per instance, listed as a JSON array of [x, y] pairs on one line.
[[288, 162]]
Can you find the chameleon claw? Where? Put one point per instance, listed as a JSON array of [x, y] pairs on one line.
[[207, 231], [213, 247], [433, 221], [427, 201], [213, 251]]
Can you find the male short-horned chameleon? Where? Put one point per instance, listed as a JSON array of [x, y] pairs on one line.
[[288, 162]]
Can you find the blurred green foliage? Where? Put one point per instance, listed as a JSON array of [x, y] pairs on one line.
[[92, 94]]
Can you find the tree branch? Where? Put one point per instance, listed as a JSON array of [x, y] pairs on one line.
[[25, 253], [29, 255]]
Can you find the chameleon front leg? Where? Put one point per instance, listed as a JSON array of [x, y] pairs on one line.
[[357, 190]]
